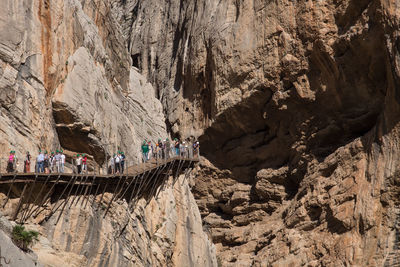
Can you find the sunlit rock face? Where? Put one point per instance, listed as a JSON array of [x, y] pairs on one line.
[[67, 81], [295, 104]]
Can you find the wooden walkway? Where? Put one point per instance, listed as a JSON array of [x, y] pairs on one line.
[[36, 190]]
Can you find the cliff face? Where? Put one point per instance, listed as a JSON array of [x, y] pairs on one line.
[[296, 107], [295, 103], [67, 81], [166, 231], [65, 78]]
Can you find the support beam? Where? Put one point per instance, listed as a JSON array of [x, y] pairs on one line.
[[20, 202]]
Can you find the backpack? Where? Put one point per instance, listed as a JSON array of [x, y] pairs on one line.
[[11, 158]]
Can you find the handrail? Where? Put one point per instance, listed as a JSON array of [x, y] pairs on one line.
[[92, 168]]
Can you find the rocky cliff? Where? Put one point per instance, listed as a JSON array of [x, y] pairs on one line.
[[67, 81], [296, 106]]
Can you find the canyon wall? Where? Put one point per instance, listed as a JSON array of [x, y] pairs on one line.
[[295, 104], [67, 81], [165, 230], [296, 107]]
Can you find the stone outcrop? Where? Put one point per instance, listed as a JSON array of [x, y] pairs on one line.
[[11, 255]]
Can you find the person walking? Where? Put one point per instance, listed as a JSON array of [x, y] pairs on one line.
[[62, 161], [79, 163], [57, 159], [150, 154], [196, 149], [52, 161], [167, 148], [182, 148], [84, 164], [122, 162], [177, 144], [145, 151], [27, 163], [117, 161], [112, 165], [40, 162], [186, 154], [10, 164], [46, 162]]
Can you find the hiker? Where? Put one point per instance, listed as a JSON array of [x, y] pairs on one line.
[[10, 164], [150, 154], [112, 166], [46, 162], [196, 149], [15, 161], [57, 159], [163, 149], [52, 162], [167, 149], [84, 164], [62, 161], [157, 150], [182, 148], [186, 148], [160, 149], [27, 163], [145, 151], [79, 163], [40, 162], [122, 162], [177, 143], [117, 161]]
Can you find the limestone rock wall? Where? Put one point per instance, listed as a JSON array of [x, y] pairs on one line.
[[167, 231], [67, 81], [65, 76], [296, 107]]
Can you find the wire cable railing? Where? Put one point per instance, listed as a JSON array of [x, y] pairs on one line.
[[111, 167]]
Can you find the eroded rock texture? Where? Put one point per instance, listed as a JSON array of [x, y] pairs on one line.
[[296, 107], [161, 231], [67, 81]]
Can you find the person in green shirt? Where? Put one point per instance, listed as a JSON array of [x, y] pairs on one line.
[[145, 151]]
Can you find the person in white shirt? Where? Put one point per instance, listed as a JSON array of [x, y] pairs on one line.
[[117, 160], [62, 161], [57, 160], [79, 163], [40, 162], [112, 166]]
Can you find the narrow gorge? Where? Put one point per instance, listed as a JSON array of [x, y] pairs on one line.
[[295, 104]]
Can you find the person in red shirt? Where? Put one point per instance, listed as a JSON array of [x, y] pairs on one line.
[[84, 164]]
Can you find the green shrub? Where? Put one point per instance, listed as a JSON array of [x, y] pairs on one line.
[[24, 239]]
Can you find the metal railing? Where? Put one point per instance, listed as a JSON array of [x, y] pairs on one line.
[[156, 157]]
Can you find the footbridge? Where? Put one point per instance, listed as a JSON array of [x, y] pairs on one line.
[[60, 191]]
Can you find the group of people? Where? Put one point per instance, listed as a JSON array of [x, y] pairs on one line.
[[117, 163], [54, 162], [81, 163], [166, 149], [47, 162]]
